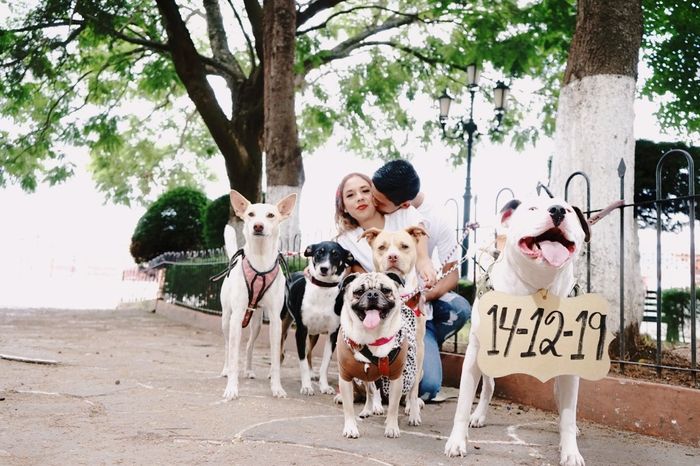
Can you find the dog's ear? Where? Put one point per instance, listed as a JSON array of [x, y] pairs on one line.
[[309, 251], [239, 202], [584, 223], [417, 232], [346, 281], [286, 205], [349, 258], [508, 210], [395, 277], [371, 234]]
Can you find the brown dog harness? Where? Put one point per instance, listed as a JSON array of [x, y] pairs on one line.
[[390, 366]]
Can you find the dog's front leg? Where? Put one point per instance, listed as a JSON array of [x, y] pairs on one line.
[[457, 443], [275, 348], [392, 418], [350, 429], [478, 417], [231, 365], [413, 405], [255, 324], [566, 392], [370, 390], [306, 388], [325, 362]]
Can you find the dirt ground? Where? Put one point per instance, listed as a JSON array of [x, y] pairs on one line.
[[132, 387]]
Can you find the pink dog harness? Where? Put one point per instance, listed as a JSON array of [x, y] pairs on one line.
[[257, 283]]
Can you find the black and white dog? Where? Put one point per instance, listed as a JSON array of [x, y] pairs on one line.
[[311, 303]]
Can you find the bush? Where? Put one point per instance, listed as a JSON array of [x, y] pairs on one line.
[[174, 222], [675, 307], [216, 217], [466, 289]]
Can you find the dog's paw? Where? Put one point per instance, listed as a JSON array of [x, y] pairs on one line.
[[456, 446], [337, 399], [377, 409], [315, 377], [278, 392], [477, 420], [224, 372], [365, 413], [392, 431], [308, 391], [249, 374], [327, 390], [571, 458], [231, 392], [350, 430], [414, 420]]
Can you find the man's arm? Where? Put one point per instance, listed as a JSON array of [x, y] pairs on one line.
[[424, 265], [447, 284]]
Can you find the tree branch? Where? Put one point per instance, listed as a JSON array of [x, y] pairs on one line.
[[255, 15], [351, 10], [251, 49], [343, 49], [219, 42], [314, 8]]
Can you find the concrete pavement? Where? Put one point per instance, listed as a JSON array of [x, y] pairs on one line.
[[132, 387]]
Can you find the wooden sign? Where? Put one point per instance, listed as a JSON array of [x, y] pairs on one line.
[[543, 335]]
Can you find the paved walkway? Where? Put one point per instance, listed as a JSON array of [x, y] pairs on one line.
[[132, 387]]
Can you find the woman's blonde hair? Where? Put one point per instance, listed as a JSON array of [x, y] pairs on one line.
[[343, 220]]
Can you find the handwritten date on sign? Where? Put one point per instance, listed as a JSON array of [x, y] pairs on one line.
[[543, 335]]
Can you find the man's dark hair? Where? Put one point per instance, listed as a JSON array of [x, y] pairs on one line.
[[397, 180]]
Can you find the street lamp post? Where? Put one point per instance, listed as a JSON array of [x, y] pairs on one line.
[[467, 128]]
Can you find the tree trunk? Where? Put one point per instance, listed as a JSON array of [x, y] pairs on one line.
[[284, 169], [594, 130]]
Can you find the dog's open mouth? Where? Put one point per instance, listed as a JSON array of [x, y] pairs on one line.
[[371, 319], [551, 245]]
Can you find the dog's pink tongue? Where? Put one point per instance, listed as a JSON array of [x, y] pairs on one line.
[[371, 319], [554, 252]]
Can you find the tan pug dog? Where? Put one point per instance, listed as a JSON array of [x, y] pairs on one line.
[[395, 251], [371, 342]]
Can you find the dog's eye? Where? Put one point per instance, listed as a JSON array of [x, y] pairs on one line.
[[404, 246], [251, 214], [358, 292], [385, 290], [533, 208], [381, 247], [270, 215]]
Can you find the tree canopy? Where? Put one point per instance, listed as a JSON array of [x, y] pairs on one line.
[[133, 83]]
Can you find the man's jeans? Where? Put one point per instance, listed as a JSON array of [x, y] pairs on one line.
[[450, 313]]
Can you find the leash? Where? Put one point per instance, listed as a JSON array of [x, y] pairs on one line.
[[412, 298]]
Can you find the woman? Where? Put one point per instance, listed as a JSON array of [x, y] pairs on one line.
[[355, 212]]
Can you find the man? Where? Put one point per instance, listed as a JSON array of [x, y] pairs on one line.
[[396, 185]]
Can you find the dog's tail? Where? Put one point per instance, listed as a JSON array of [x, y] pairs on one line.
[[230, 242]]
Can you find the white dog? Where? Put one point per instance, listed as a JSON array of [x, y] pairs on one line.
[[254, 282], [544, 237]]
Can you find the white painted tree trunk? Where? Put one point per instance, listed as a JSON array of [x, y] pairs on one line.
[[594, 131], [290, 232]]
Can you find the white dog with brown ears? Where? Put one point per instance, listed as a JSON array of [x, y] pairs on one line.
[[254, 282], [544, 237]]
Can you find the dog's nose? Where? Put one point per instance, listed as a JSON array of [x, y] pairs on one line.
[[324, 270], [393, 257], [258, 227], [372, 295], [557, 213]]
